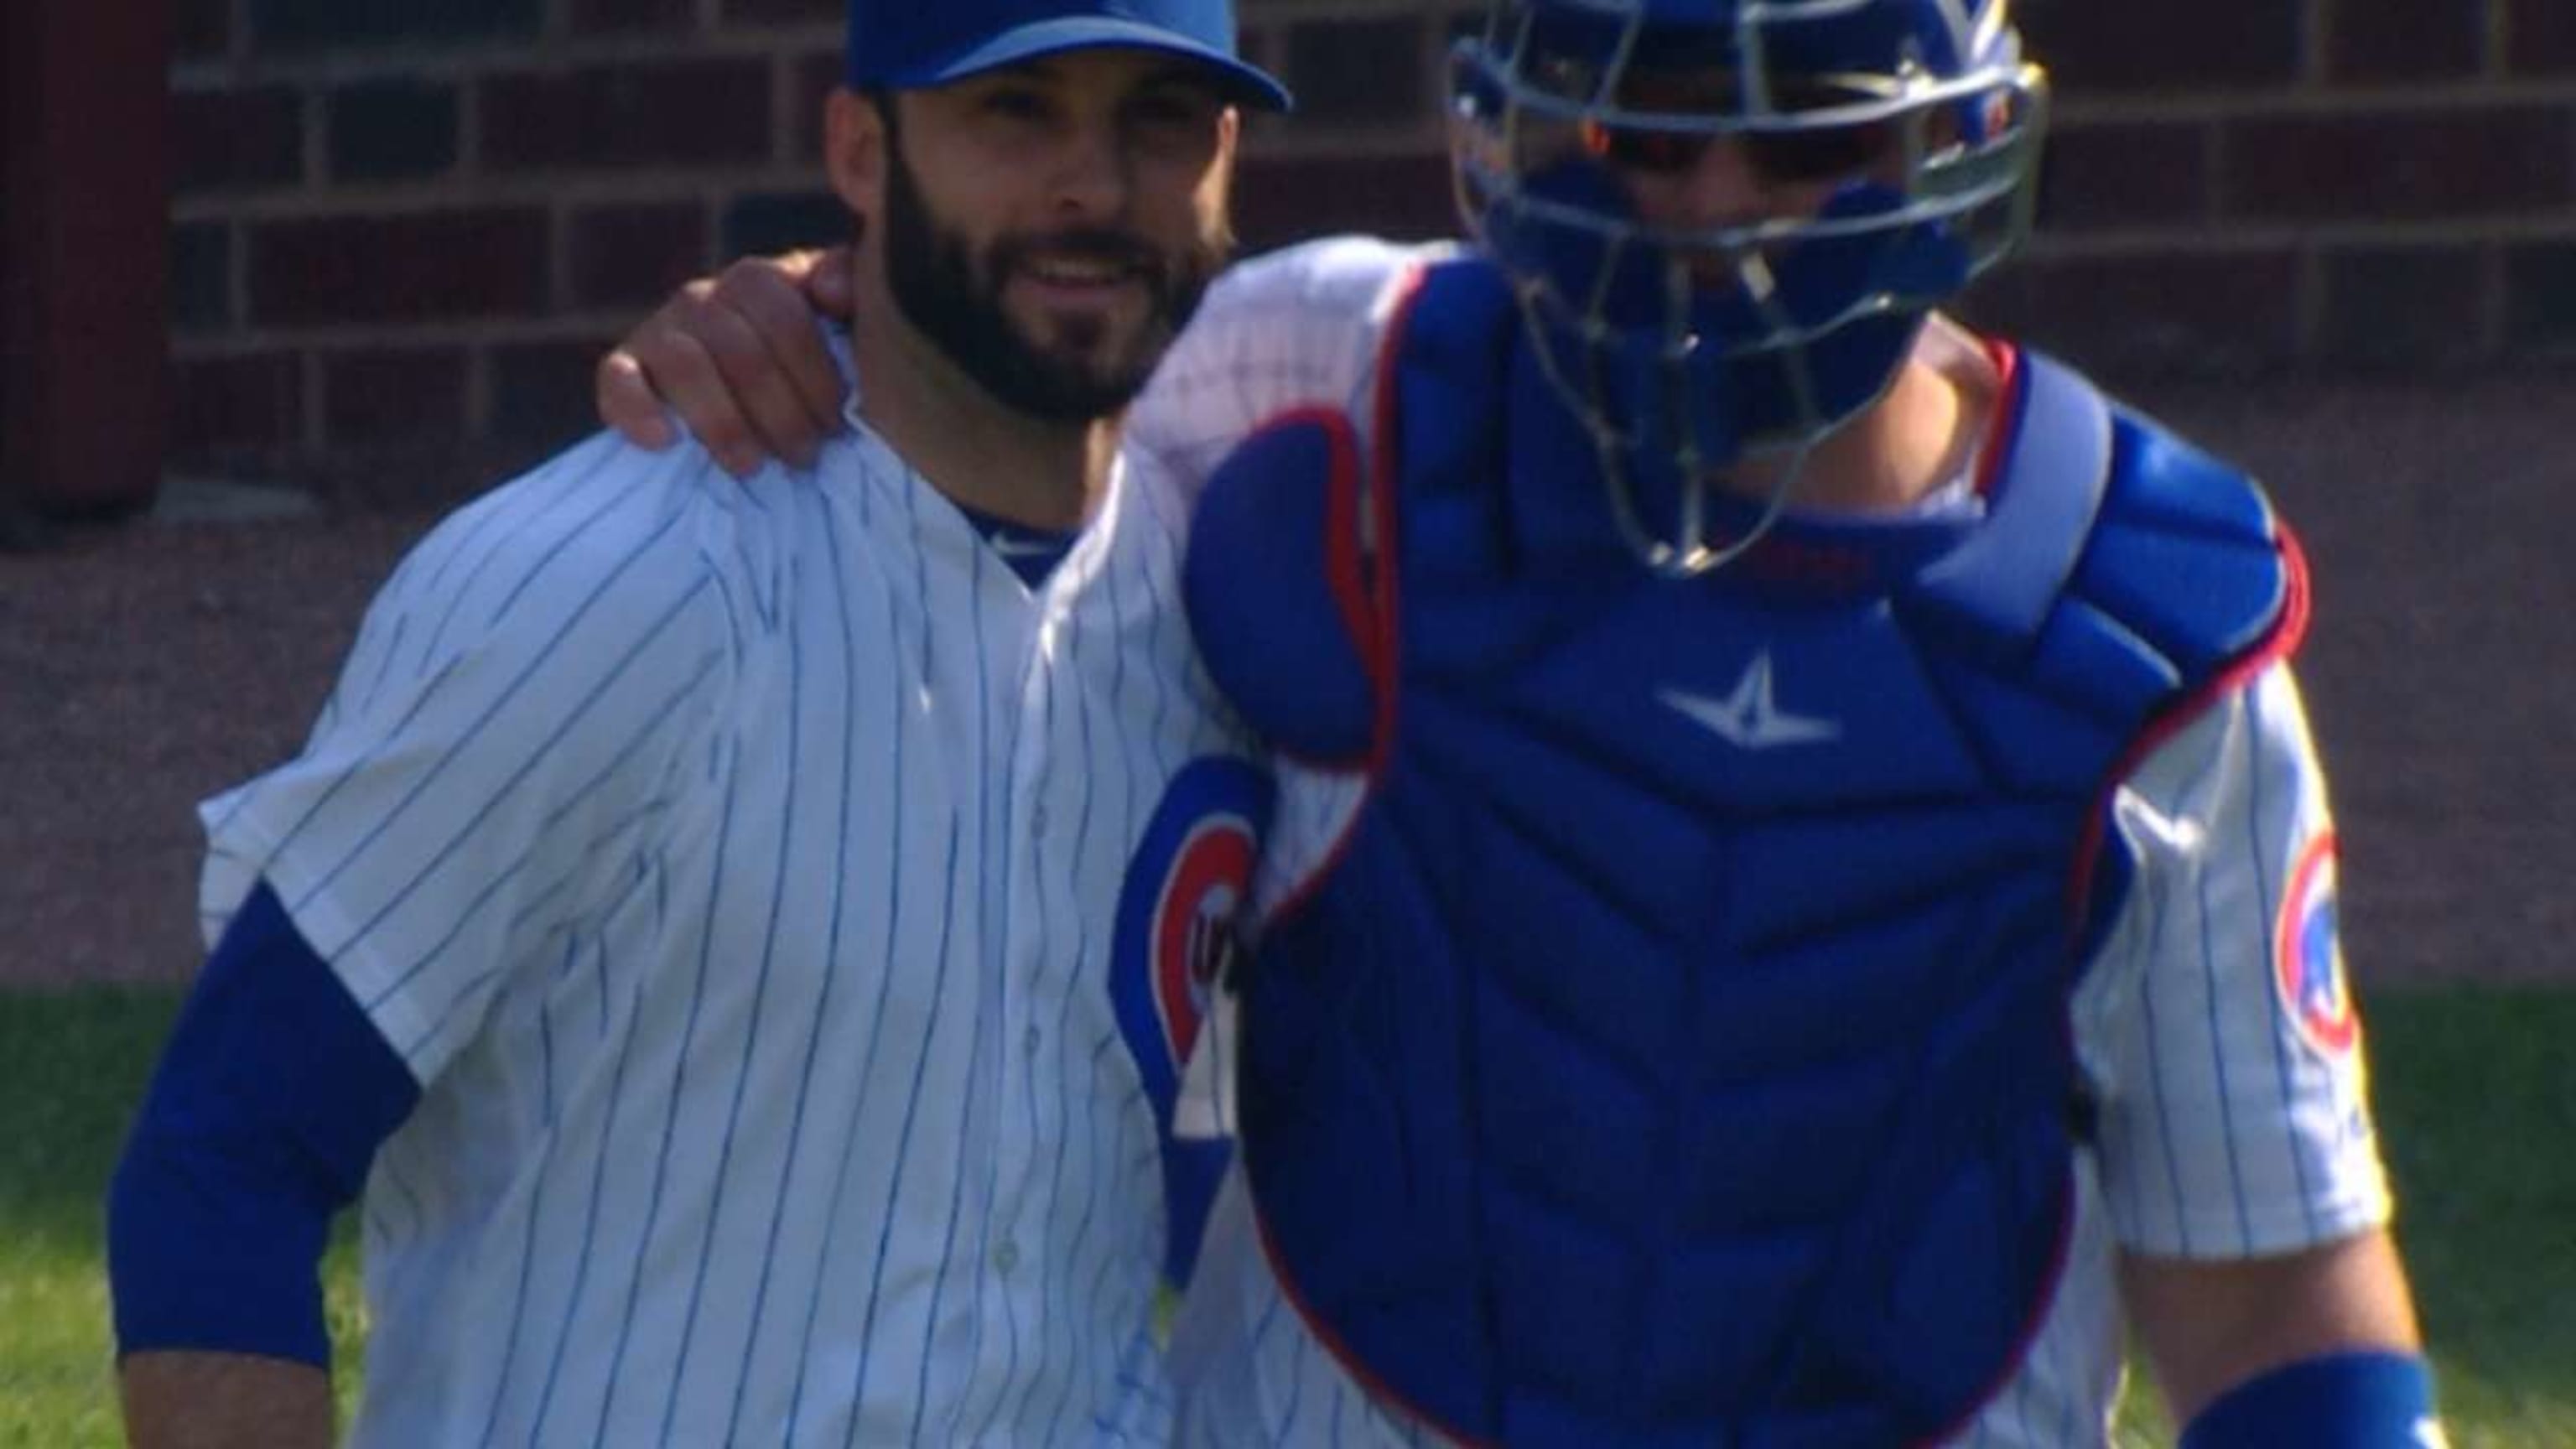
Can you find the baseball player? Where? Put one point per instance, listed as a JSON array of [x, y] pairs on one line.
[[735, 935], [1800, 894]]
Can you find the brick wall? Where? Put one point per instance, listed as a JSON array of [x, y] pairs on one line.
[[401, 230]]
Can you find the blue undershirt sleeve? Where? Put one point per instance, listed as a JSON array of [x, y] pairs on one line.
[[261, 1122], [2364, 1399]]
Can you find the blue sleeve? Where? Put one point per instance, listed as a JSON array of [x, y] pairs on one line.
[[261, 1122], [2359, 1400]]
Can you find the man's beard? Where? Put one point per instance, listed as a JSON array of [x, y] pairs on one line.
[[955, 298]]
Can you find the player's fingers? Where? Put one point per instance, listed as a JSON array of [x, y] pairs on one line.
[[626, 402], [797, 265], [828, 284], [758, 386], [801, 406], [684, 373]]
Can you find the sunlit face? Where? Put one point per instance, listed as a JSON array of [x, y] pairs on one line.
[[1051, 227]]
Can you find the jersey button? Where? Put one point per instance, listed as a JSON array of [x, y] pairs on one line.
[[1006, 1257], [1031, 1040], [1038, 822]]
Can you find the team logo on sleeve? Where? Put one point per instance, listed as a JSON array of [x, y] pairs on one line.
[[1190, 874], [2307, 955]]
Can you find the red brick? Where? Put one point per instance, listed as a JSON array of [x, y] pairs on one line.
[[2164, 314], [201, 277], [812, 79], [2404, 308], [780, 12], [671, 113], [396, 129], [2543, 37], [200, 29], [1279, 200], [1358, 72], [370, 398], [2204, 44], [2405, 40], [622, 256], [541, 391], [304, 27], [2399, 165], [2127, 174], [440, 265], [775, 221], [236, 139], [592, 17], [250, 402], [2540, 296]]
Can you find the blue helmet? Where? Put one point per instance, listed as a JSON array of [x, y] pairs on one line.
[[1908, 129]]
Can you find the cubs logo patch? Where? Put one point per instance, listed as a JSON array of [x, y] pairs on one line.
[[1193, 924], [1191, 872], [2307, 955]]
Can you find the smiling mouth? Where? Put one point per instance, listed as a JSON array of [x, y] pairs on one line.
[[1081, 273]]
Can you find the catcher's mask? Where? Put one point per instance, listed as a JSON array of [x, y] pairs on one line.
[[1906, 133]]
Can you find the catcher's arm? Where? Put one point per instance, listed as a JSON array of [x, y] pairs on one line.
[[2210, 1327]]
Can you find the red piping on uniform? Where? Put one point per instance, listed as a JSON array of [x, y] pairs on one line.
[[1384, 481], [1344, 571], [2041, 1304], [1365, 587], [1344, 575], [2007, 361], [1371, 610], [2278, 644]]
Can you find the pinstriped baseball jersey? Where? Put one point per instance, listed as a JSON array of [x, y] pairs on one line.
[[734, 867], [2213, 1021]]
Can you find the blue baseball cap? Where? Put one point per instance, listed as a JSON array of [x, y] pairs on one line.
[[915, 44]]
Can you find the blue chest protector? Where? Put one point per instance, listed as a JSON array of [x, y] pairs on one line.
[[1677, 1050]]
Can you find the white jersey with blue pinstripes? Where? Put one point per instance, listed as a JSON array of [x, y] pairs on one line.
[[733, 867], [2234, 1119]]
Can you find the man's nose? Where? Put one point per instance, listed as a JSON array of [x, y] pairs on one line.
[[1090, 176], [1723, 188]]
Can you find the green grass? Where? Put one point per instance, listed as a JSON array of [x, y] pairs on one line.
[[2477, 1104], [71, 1069], [2475, 1092]]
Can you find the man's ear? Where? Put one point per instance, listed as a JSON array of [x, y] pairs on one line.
[[855, 137]]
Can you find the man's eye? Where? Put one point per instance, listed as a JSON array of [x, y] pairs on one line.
[[1166, 112], [1017, 105]]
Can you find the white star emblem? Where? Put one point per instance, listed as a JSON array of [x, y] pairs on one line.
[[1749, 718]]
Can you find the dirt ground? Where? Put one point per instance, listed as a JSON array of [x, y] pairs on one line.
[[146, 665]]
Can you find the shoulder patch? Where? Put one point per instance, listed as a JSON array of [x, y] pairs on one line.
[[1190, 875], [2307, 956], [1188, 879]]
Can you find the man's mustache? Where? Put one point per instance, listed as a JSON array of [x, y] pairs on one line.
[[1104, 246]]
